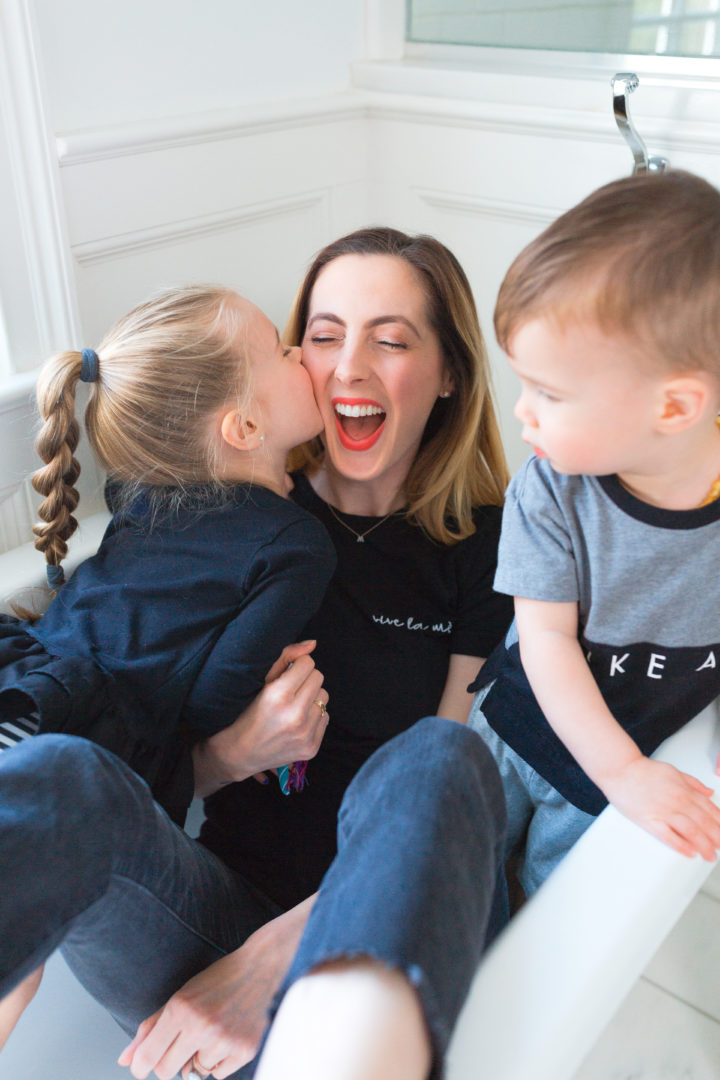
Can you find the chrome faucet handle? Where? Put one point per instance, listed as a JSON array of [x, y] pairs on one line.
[[623, 84]]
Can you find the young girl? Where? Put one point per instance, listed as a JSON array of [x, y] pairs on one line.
[[206, 571]]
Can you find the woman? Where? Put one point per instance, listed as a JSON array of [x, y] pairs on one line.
[[407, 479], [388, 327]]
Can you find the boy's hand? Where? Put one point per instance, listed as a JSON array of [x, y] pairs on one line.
[[669, 804]]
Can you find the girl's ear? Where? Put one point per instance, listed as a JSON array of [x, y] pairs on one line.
[[240, 432], [685, 401]]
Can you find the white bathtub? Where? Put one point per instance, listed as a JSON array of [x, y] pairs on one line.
[[553, 980]]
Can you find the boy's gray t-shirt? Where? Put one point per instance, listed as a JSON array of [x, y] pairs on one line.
[[647, 586]]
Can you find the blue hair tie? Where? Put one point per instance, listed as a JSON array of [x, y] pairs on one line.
[[55, 576], [90, 366]]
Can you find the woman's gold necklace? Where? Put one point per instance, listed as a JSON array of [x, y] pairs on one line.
[[360, 536]]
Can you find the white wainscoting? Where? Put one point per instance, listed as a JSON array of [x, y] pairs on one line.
[[483, 160], [488, 159], [241, 197]]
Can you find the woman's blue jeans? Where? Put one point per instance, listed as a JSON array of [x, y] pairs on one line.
[[90, 863]]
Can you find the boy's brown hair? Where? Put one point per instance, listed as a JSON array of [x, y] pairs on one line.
[[639, 257]]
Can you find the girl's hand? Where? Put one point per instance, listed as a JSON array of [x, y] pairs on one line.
[[221, 1013], [669, 804], [284, 723]]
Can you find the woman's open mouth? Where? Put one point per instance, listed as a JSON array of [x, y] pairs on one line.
[[359, 422]]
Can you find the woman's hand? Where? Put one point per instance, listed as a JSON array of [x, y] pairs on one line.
[[220, 1014], [284, 723]]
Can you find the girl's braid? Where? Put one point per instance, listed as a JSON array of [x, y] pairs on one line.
[[56, 445]]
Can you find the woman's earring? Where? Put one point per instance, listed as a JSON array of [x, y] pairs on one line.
[[262, 439], [446, 393]]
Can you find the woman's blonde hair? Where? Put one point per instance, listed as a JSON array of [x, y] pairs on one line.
[[163, 370], [461, 462]]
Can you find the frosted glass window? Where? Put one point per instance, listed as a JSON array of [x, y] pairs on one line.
[[654, 27]]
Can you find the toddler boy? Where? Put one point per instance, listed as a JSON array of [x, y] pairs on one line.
[[611, 531]]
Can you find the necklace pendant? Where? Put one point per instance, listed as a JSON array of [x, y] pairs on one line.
[[361, 540]]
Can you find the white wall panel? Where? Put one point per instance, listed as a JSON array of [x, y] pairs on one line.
[[110, 63], [485, 178], [258, 251], [246, 197], [246, 191], [245, 203], [181, 171], [484, 193]]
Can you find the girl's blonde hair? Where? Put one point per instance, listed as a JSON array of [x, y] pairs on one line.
[[461, 462], [163, 371]]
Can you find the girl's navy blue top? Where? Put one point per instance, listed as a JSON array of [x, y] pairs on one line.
[[172, 626]]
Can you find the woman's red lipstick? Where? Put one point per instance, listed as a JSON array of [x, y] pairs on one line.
[[358, 445]]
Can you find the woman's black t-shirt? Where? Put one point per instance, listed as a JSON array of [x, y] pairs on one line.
[[397, 607]]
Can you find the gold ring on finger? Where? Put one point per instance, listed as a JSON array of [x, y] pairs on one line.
[[198, 1071], [321, 706]]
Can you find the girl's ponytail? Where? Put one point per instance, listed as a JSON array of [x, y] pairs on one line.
[[56, 445], [165, 370]]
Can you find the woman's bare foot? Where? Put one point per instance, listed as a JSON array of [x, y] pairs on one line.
[[13, 1005]]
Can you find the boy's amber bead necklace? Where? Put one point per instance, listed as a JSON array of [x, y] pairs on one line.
[[713, 494]]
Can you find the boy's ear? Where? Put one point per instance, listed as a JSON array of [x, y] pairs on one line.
[[685, 399], [240, 432]]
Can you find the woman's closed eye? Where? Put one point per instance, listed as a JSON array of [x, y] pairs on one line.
[[392, 344], [323, 339]]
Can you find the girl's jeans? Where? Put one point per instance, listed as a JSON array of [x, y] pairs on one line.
[[90, 863]]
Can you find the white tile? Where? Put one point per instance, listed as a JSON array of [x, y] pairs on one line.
[[688, 961], [653, 1036]]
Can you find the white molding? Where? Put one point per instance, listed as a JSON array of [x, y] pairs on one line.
[[385, 29], [18, 419], [494, 209], [35, 178], [390, 104], [146, 137], [17, 390], [419, 94], [5, 350], [685, 71], [113, 247], [578, 124], [509, 119], [18, 514]]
